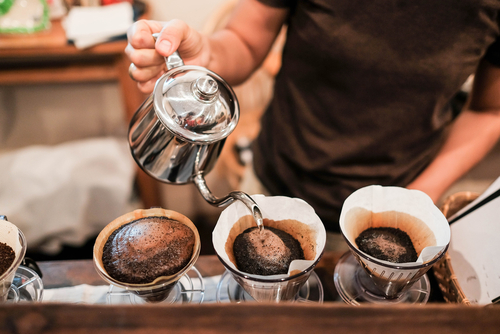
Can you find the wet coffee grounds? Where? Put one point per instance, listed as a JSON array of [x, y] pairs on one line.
[[147, 248], [7, 256], [269, 253], [388, 244]]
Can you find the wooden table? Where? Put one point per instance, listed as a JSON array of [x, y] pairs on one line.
[[329, 317], [47, 57]]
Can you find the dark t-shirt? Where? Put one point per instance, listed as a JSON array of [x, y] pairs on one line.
[[363, 95]]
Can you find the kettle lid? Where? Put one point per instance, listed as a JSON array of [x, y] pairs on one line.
[[196, 104]]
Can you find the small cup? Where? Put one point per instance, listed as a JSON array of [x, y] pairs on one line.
[[12, 236], [159, 289]]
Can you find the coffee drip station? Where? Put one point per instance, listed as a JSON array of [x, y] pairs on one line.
[[346, 291], [176, 137]]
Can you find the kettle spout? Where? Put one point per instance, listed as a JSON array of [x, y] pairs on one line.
[[201, 184]]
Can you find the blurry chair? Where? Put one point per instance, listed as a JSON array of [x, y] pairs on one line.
[[253, 96]]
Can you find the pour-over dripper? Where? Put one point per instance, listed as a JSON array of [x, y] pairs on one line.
[[159, 289], [12, 236], [411, 211], [291, 215]]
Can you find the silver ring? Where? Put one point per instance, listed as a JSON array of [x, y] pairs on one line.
[[131, 68]]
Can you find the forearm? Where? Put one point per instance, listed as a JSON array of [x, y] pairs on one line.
[[473, 135], [475, 132], [231, 58], [241, 47]]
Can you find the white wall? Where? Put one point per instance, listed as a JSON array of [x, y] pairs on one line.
[[193, 12]]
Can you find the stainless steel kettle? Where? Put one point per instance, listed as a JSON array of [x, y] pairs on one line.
[[179, 131]]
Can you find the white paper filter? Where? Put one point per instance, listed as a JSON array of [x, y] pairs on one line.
[[276, 208], [376, 199], [9, 235]]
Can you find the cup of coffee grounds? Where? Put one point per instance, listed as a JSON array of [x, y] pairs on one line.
[[12, 250], [147, 251], [273, 264], [395, 234]]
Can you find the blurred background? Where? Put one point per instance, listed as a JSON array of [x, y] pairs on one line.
[[65, 103]]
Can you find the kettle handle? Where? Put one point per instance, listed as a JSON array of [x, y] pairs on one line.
[[174, 60]]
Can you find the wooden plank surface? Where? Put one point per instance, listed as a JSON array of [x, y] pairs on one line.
[[66, 74], [333, 317], [248, 318], [52, 41], [54, 37]]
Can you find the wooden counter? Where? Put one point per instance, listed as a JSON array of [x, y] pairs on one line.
[[334, 317], [248, 318]]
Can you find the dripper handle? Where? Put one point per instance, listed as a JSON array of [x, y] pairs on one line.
[[228, 199], [174, 60]]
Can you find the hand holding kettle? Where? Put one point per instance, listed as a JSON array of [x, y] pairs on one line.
[[233, 52], [147, 56]]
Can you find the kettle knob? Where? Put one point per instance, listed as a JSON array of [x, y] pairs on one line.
[[205, 88]]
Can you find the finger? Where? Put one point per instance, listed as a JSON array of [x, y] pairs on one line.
[[139, 34], [191, 45], [145, 74], [171, 35], [144, 57], [148, 86]]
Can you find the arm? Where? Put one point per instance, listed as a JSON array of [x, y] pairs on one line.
[[233, 52], [474, 134]]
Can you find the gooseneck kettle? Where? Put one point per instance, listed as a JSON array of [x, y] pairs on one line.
[[178, 133]]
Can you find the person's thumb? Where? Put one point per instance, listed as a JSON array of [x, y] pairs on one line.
[[174, 33]]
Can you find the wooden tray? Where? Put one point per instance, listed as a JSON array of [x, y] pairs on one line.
[[443, 271]]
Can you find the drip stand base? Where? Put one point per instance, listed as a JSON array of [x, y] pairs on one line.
[[353, 285]]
